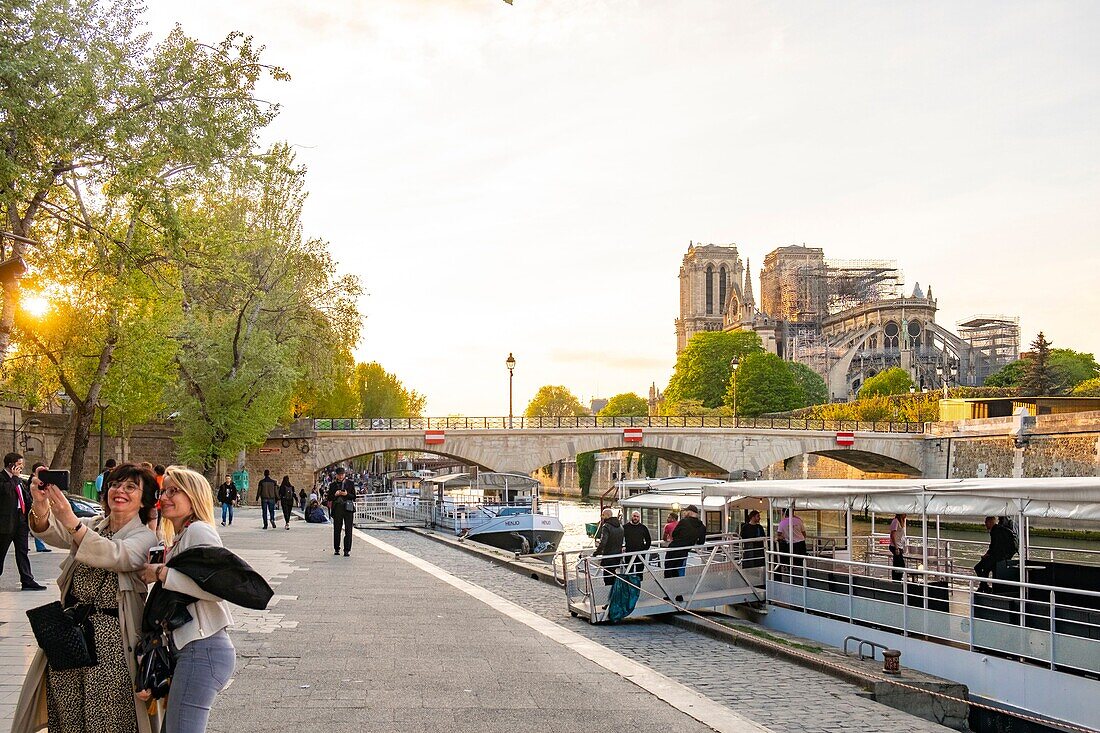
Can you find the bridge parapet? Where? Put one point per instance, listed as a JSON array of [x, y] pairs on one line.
[[592, 422]]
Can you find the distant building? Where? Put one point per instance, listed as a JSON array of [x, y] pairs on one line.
[[846, 320], [597, 404]]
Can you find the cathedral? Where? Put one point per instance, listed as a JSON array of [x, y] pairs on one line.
[[847, 320]]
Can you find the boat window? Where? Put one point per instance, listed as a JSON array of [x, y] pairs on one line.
[[713, 522]]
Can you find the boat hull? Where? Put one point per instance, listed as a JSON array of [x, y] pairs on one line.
[[542, 533]]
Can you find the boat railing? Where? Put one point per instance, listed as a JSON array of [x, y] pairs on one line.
[[1053, 625], [667, 579], [453, 513]]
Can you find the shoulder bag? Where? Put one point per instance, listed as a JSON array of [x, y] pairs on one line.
[[65, 634]]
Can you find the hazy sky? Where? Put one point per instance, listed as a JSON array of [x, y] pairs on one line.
[[527, 178]]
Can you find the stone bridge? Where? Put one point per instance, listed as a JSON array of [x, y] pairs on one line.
[[709, 447]]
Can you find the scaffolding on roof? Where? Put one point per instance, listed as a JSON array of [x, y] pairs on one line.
[[852, 283]]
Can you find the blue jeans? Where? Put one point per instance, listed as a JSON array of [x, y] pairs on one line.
[[203, 669], [227, 508], [268, 509]]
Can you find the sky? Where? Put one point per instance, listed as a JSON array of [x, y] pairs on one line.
[[526, 179]]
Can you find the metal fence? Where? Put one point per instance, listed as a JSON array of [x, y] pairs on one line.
[[582, 422]]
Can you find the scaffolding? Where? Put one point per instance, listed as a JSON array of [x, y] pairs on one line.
[[995, 338], [851, 283]]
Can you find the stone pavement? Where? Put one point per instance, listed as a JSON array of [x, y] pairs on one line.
[[374, 642]]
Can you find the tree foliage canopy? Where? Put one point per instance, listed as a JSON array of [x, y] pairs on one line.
[[894, 380], [381, 394], [814, 390], [1087, 388], [703, 368], [627, 404], [763, 383], [1046, 371], [554, 401]]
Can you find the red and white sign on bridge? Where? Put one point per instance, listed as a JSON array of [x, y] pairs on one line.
[[434, 437], [846, 439], [632, 435]]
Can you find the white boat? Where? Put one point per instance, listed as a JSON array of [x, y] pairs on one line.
[[502, 510]]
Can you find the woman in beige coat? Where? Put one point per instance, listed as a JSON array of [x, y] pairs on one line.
[[106, 556]]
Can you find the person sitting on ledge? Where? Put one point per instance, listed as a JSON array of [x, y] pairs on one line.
[[1002, 546], [315, 514]]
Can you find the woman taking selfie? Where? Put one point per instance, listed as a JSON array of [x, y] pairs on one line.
[[206, 655], [102, 577]]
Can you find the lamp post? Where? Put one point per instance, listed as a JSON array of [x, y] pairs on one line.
[[734, 363], [510, 362], [32, 422]]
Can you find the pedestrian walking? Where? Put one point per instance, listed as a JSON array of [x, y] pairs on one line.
[[228, 496], [102, 574], [302, 499], [268, 492], [15, 502], [341, 497], [286, 498]]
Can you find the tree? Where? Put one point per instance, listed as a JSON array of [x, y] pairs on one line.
[[702, 369], [1066, 369], [1010, 375], [627, 404], [894, 380], [382, 394], [1071, 367], [258, 301], [1039, 377], [89, 105], [554, 401], [1088, 388], [814, 391], [586, 464], [763, 384], [649, 465]]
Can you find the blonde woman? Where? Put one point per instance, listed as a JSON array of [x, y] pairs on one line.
[[206, 655]]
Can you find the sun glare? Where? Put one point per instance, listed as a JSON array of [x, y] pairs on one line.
[[36, 305]]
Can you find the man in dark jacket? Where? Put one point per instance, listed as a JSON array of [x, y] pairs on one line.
[[637, 540], [689, 532], [268, 492], [1002, 546], [15, 502], [341, 491], [227, 497], [609, 541]]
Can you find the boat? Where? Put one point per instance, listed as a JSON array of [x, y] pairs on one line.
[[502, 510]]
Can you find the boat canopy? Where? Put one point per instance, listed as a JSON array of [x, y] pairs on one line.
[[451, 480], [1060, 498], [671, 483], [484, 480]]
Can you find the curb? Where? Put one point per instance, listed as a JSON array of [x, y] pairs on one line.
[[532, 569]]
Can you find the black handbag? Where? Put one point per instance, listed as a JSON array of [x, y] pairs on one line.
[[349, 507], [65, 635], [156, 663]]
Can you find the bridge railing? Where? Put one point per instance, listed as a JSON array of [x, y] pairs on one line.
[[582, 422]]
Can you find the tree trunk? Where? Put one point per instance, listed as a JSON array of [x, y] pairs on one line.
[[64, 450], [82, 426]]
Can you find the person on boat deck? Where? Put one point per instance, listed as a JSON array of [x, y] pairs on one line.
[[897, 546], [670, 524], [688, 533], [1002, 546], [637, 539], [609, 541], [792, 536], [753, 534]]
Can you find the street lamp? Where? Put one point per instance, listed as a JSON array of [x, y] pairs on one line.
[[734, 363], [31, 421], [510, 362]]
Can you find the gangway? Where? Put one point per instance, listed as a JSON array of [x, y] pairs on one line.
[[385, 511], [713, 577]]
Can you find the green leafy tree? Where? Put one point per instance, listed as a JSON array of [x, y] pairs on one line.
[[1010, 375], [89, 104], [702, 369], [814, 391], [894, 380], [586, 464], [1088, 388], [382, 394], [554, 401], [258, 302], [763, 384], [1071, 367], [1064, 369], [627, 404], [649, 465]]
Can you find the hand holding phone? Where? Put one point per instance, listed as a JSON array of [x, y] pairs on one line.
[[60, 479], [156, 555]]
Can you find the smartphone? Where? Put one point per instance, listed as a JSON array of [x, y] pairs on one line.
[[60, 479], [156, 555]]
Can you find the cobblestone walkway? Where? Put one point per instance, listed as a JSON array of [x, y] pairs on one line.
[[783, 696]]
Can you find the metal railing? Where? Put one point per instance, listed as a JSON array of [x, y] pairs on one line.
[[1051, 625], [457, 513], [594, 422], [668, 579]]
